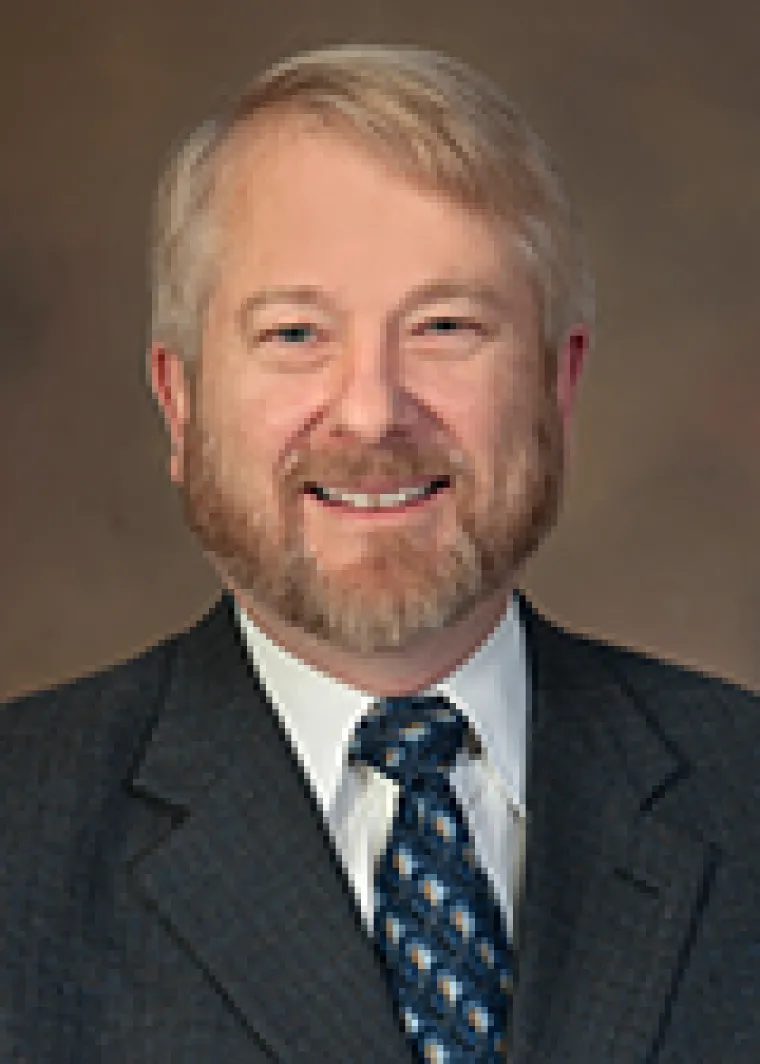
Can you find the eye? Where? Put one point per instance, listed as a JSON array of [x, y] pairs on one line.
[[446, 324], [292, 333]]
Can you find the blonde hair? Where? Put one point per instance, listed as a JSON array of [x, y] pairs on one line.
[[442, 123]]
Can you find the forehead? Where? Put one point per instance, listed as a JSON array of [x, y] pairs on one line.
[[293, 195]]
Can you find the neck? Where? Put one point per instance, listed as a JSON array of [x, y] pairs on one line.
[[431, 658]]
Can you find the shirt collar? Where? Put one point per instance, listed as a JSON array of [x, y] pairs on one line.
[[320, 713]]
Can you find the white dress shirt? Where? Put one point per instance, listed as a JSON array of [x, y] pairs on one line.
[[320, 713]]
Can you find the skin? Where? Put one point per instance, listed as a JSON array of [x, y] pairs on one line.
[[370, 377]]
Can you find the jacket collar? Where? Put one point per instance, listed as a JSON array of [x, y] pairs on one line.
[[608, 887]]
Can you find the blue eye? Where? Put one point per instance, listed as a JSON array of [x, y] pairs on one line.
[[446, 324], [291, 333]]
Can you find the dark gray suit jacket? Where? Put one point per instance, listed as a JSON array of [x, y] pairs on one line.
[[168, 893]]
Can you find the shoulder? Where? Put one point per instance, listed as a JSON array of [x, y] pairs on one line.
[[62, 736], [692, 704], [709, 723], [708, 716]]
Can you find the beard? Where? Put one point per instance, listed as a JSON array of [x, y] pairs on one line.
[[401, 589]]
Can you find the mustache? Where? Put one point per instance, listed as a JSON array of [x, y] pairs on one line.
[[354, 466]]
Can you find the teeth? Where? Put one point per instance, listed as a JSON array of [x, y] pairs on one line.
[[366, 502]]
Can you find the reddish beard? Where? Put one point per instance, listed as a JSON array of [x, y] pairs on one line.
[[399, 590]]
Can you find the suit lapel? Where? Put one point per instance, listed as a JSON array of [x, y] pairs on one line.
[[249, 882], [250, 885], [611, 892]]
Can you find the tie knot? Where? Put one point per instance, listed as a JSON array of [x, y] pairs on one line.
[[409, 738]]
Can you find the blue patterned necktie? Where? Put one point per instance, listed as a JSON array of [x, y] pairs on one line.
[[437, 925]]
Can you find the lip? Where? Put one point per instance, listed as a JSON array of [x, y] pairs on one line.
[[376, 487], [381, 514]]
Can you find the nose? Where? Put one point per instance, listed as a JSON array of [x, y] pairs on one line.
[[371, 396]]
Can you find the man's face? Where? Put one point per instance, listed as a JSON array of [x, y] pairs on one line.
[[365, 336]]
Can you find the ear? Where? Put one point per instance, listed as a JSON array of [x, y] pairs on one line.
[[170, 384], [570, 361]]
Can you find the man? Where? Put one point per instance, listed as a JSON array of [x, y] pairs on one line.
[[370, 314]]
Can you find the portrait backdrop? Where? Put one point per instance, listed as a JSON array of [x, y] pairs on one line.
[[651, 112]]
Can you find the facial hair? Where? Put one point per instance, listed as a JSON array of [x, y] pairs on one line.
[[401, 589]]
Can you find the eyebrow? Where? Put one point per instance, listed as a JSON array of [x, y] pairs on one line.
[[418, 296]]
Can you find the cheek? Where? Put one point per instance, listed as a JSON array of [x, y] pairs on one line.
[[237, 433], [498, 438], [248, 417], [267, 428], [477, 421]]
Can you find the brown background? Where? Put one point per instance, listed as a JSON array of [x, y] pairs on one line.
[[652, 110]]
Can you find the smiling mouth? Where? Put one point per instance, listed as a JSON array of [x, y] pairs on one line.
[[379, 502]]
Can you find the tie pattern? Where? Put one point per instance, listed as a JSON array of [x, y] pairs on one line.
[[437, 925]]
